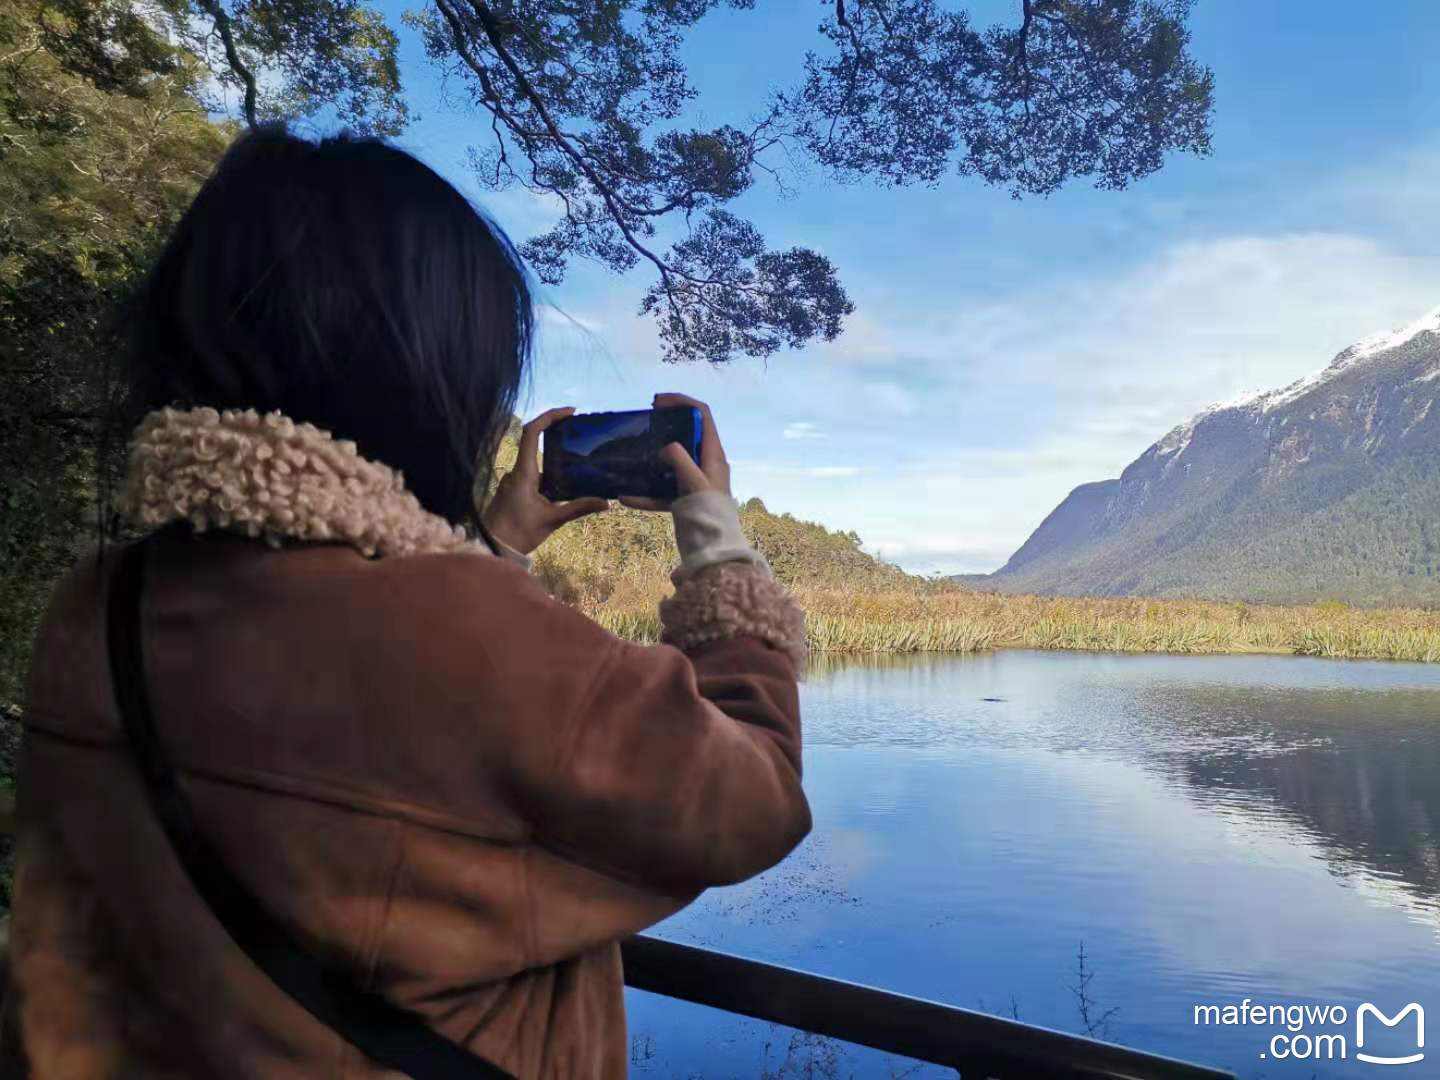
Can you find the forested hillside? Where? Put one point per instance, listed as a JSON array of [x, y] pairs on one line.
[[624, 556], [103, 140]]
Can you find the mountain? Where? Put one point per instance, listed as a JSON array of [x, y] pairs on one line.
[[1326, 489]]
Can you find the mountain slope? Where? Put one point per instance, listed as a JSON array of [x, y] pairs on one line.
[[1327, 488]]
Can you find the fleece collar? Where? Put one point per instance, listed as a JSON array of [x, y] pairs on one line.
[[269, 477]]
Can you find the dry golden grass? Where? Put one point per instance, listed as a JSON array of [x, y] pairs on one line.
[[929, 617]]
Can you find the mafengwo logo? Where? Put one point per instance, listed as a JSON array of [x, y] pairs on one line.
[[1322, 1032], [1368, 1010]]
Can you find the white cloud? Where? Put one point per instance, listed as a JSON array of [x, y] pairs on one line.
[[520, 212], [803, 429], [939, 553], [771, 468], [551, 315]]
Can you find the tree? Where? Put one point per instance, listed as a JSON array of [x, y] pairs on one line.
[[588, 104]]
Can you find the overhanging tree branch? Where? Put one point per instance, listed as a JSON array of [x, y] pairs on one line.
[[906, 90], [612, 201]]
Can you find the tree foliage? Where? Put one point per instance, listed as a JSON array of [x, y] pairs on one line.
[[589, 105], [100, 149], [290, 59]]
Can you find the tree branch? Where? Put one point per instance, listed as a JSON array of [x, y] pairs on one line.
[[232, 56], [612, 201], [1022, 55]]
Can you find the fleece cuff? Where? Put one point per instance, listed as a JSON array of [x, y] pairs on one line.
[[707, 531], [729, 600]]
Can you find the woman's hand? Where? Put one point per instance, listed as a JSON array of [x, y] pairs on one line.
[[711, 474], [518, 515]]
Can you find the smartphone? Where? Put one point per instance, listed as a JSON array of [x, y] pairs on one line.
[[609, 454]]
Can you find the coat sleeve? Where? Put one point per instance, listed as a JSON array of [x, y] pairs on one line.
[[678, 769]]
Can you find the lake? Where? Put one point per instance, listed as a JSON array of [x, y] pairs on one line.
[[1212, 829]]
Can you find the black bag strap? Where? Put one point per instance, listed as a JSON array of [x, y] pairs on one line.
[[394, 1037]]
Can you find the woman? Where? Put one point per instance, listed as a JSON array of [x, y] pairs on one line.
[[437, 779]]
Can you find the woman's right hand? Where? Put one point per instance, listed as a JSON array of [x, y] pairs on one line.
[[712, 473]]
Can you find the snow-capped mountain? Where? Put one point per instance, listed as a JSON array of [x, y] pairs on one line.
[[1265, 400], [1328, 487]]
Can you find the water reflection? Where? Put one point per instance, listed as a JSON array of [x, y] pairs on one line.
[[1359, 772], [1346, 752]]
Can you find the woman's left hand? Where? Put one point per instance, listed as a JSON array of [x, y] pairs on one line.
[[518, 515]]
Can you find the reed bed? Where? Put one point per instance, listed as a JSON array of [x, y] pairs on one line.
[[615, 567], [935, 618]]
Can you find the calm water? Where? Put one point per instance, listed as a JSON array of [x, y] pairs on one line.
[[1211, 828]]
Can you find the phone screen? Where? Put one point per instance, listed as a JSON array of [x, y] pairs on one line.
[[616, 453], [605, 434]]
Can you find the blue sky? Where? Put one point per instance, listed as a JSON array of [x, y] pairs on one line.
[[1003, 352]]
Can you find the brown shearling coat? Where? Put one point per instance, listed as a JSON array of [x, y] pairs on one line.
[[461, 790]]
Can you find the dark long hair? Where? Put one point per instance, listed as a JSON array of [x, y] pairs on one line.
[[345, 284]]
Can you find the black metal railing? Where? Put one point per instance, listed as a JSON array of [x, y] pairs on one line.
[[975, 1044]]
